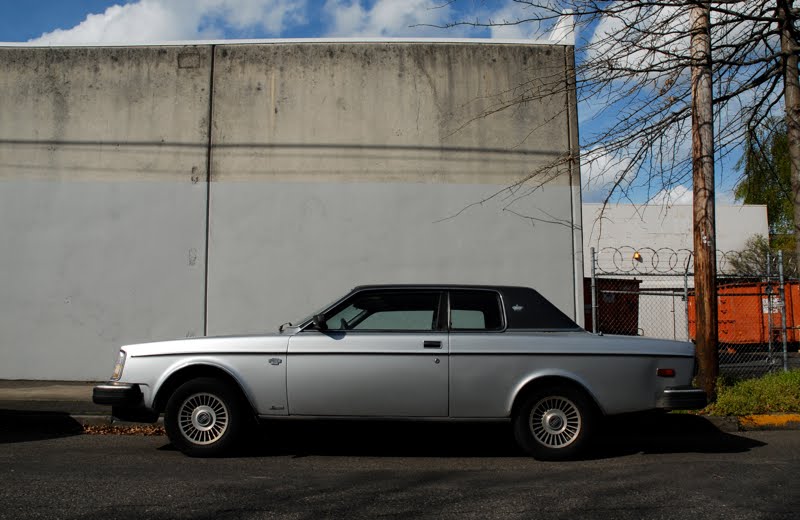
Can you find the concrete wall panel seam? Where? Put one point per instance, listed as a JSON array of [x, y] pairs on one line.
[[209, 151], [573, 140]]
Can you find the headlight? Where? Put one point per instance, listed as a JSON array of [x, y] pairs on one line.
[[119, 366]]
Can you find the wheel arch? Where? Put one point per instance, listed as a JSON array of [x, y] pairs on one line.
[[539, 381], [193, 371]]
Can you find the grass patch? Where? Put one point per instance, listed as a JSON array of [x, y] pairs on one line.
[[773, 393]]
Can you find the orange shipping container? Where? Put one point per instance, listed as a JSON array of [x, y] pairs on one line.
[[745, 310]]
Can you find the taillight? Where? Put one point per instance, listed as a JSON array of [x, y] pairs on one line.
[[665, 372]]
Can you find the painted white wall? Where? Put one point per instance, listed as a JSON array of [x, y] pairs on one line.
[[634, 228], [637, 227]]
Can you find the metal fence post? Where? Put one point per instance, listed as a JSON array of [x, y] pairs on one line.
[[769, 292], [783, 312], [686, 302], [594, 292]]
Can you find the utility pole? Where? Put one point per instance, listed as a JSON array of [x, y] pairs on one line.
[[791, 98], [705, 240]]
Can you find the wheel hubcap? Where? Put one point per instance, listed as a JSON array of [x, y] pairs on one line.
[[555, 422], [203, 418]]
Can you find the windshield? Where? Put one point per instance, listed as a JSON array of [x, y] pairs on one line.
[[297, 323]]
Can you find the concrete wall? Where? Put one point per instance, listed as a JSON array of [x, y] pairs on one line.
[[102, 221], [332, 165]]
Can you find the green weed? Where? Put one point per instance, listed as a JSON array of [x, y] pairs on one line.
[[773, 393]]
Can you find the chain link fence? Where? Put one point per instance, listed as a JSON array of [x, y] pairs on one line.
[[650, 292]]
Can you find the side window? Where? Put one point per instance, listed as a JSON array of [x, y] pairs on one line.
[[391, 310], [475, 310]]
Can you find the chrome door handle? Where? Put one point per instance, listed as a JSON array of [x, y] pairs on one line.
[[432, 344]]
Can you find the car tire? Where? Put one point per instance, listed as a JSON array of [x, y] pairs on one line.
[[555, 423], [206, 417]]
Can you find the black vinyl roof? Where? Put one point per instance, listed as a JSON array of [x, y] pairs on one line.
[[525, 308], [432, 286]]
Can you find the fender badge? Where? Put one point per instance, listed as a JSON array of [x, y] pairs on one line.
[[517, 308], [275, 361]]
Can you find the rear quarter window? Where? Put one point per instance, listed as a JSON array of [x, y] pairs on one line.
[[527, 309], [475, 310]]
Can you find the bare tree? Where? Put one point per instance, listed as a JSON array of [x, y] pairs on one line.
[[633, 65], [635, 62], [758, 251]]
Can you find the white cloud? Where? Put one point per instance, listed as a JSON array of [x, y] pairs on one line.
[[726, 197], [508, 28], [345, 19], [600, 171], [639, 39], [354, 18], [350, 18], [517, 21], [510, 22], [148, 21], [679, 194], [564, 29]]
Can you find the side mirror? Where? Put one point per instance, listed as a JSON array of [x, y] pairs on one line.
[[319, 322]]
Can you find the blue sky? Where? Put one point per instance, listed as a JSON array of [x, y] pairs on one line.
[[22, 21], [104, 21], [54, 22]]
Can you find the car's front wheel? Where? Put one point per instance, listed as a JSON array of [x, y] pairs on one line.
[[555, 423], [205, 418]]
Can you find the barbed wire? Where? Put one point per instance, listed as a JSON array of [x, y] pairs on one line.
[[628, 260]]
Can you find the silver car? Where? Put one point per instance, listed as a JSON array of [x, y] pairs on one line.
[[447, 352]]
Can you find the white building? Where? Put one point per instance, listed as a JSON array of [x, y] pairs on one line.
[[653, 244]]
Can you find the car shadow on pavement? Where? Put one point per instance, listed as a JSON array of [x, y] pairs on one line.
[[24, 426], [617, 436], [659, 432], [384, 439]]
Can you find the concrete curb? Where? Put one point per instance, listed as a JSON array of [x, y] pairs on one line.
[[762, 422], [781, 421]]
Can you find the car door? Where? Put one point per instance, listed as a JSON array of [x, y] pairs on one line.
[[482, 367], [383, 353]]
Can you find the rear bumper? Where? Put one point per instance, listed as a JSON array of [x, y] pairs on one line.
[[682, 398], [126, 400]]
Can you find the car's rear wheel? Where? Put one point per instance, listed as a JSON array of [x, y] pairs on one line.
[[555, 423], [205, 418]]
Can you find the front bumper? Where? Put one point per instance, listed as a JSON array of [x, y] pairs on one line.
[[117, 394], [682, 398], [126, 400]]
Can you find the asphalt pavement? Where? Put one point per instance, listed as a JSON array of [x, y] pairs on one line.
[[653, 465], [677, 469]]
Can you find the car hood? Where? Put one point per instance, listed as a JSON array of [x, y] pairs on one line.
[[212, 345]]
